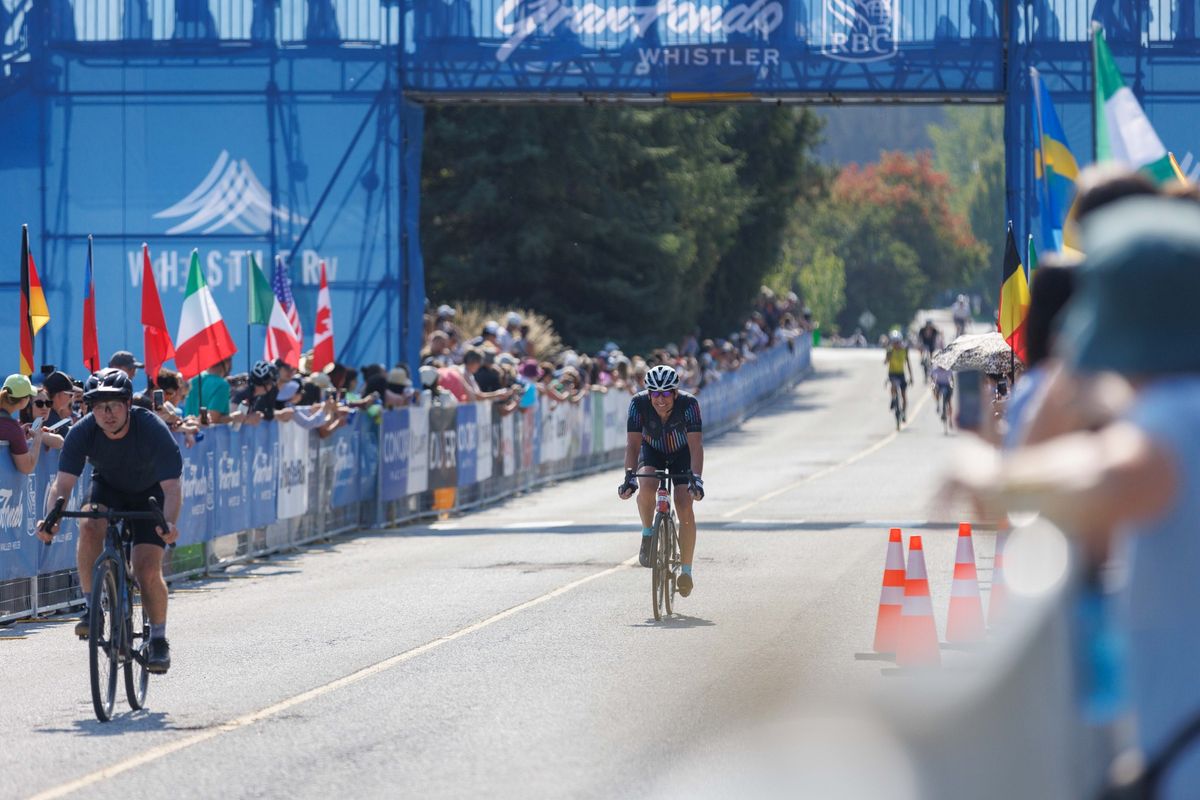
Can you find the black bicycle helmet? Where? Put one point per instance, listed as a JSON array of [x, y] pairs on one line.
[[263, 372], [108, 384]]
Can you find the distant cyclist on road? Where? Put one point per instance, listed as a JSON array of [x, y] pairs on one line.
[[961, 311], [929, 337], [664, 432], [134, 457], [897, 362]]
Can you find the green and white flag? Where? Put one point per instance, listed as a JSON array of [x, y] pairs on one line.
[[1123, 133]]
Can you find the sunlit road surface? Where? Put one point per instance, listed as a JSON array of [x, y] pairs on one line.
[[511, 652]]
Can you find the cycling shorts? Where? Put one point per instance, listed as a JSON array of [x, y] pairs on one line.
[[900, 380], [677, 462], [944, 390], [143, 529]]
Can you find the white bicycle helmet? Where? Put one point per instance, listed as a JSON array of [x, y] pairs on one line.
[[662, 378]]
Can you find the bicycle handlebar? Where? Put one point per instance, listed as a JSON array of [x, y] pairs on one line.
[[660, 474], [57, 513]]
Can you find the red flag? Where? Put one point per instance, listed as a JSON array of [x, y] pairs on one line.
[[323, 329], [91, 347], [34, 313], [154, 327]]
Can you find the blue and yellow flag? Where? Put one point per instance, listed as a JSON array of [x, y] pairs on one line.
[[1055, 167]]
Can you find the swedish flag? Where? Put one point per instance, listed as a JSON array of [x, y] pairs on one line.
[[1055, 166]]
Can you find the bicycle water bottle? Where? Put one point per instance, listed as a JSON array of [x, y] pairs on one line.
[[664, 501]]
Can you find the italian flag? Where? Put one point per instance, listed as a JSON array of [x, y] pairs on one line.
[[1123, 133], [203, 338]]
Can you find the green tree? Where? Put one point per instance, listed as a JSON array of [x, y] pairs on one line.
[[822, 281]]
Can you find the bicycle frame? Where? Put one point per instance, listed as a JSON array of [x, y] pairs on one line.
[[666, 556]]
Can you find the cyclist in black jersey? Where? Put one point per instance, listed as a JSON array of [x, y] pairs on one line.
[[664, 432], [134, 458]]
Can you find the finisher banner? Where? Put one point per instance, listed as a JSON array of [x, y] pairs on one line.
[[718, 50]]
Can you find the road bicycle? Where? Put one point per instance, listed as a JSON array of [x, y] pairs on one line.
[[118, 625], [665, 568], [942, 395], [926, 363]]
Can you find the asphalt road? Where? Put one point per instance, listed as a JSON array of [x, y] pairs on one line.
[[511, 652]]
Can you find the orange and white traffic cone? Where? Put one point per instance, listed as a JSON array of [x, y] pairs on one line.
[[998, 600], [887, 624], [918, 646], [964, 623]]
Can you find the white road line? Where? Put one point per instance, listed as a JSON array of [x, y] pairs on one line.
[[884, 442], [257, 716], [522, 526]]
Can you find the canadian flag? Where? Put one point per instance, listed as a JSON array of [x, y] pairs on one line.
[[323, 329], [282, 342]]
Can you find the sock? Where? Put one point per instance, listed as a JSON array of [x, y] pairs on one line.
[[158, 631], [647, 532], [686, 569]]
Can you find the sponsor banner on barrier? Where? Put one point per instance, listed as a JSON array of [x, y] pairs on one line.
[[484, 460], [59, 554], [466, 444], [368, 457], [343, 448], [264, 466], [197, 491], [292, 500], [18, 545], [232, 458], [418, 450], [443, 447], [394, 454]]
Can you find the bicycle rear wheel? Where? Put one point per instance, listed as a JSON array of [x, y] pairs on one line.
[[104, 635], [137, 677]]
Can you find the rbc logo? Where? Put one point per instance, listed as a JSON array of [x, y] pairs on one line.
[[860, 30]]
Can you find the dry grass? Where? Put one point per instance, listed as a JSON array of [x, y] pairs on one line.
[[470, 318]]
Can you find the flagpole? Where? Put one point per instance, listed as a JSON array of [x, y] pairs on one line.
[[249, 303]]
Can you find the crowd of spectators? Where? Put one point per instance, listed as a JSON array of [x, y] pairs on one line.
[[501, 364]]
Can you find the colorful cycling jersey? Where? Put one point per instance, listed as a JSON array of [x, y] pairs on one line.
[[897, 357], [665, 437]]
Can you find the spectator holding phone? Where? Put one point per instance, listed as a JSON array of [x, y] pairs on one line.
[[14, 396], [37, 412], [61, 391]]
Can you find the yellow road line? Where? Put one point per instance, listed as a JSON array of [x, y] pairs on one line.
[[245, 720], [834, 468]]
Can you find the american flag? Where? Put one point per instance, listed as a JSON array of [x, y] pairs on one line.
[[282, 287]]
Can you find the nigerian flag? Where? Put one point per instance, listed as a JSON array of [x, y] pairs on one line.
[[1123, 133]]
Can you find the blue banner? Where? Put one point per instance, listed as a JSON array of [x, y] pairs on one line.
[[195, 521], [393, 456], [368, 456], [60, 554], [343, 448], [262, 444], [467, 444], [18, 546], [232, 510]]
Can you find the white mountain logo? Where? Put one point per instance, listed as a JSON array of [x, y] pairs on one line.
[[229, 196]]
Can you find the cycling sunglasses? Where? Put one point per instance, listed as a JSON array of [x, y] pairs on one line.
[[667, 393]]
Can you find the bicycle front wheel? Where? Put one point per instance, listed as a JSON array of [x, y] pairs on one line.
[[137, 677], [658, 572], [104, 636], [669, 558]]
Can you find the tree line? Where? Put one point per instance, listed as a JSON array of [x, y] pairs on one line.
[[641, 224]]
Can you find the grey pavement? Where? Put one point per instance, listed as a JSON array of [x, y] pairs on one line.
[[415, 687]]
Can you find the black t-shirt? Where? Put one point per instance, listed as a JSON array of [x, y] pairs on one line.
[[487, 378], [145, 456], [929, 337], [665, 437], [263, 403]]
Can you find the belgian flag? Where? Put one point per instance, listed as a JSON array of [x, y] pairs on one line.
[[34, 312], [1014, 298]]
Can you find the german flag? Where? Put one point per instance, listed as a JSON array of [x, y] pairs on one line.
[[1014, 298], [34, 313]]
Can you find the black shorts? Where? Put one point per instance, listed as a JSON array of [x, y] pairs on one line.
[[678, 462], [143, 529], [899, 380]]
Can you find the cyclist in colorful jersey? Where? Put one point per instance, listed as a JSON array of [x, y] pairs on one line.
[[664, 432], [897, 362]]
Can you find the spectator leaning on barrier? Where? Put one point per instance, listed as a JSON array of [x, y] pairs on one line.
[[210, 390], [1132, 476], [61, 390], [16, 394], [39, 409]]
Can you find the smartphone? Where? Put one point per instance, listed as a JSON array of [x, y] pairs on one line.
[[158, 399], [62, 422], [36, 424], [970, 404]]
